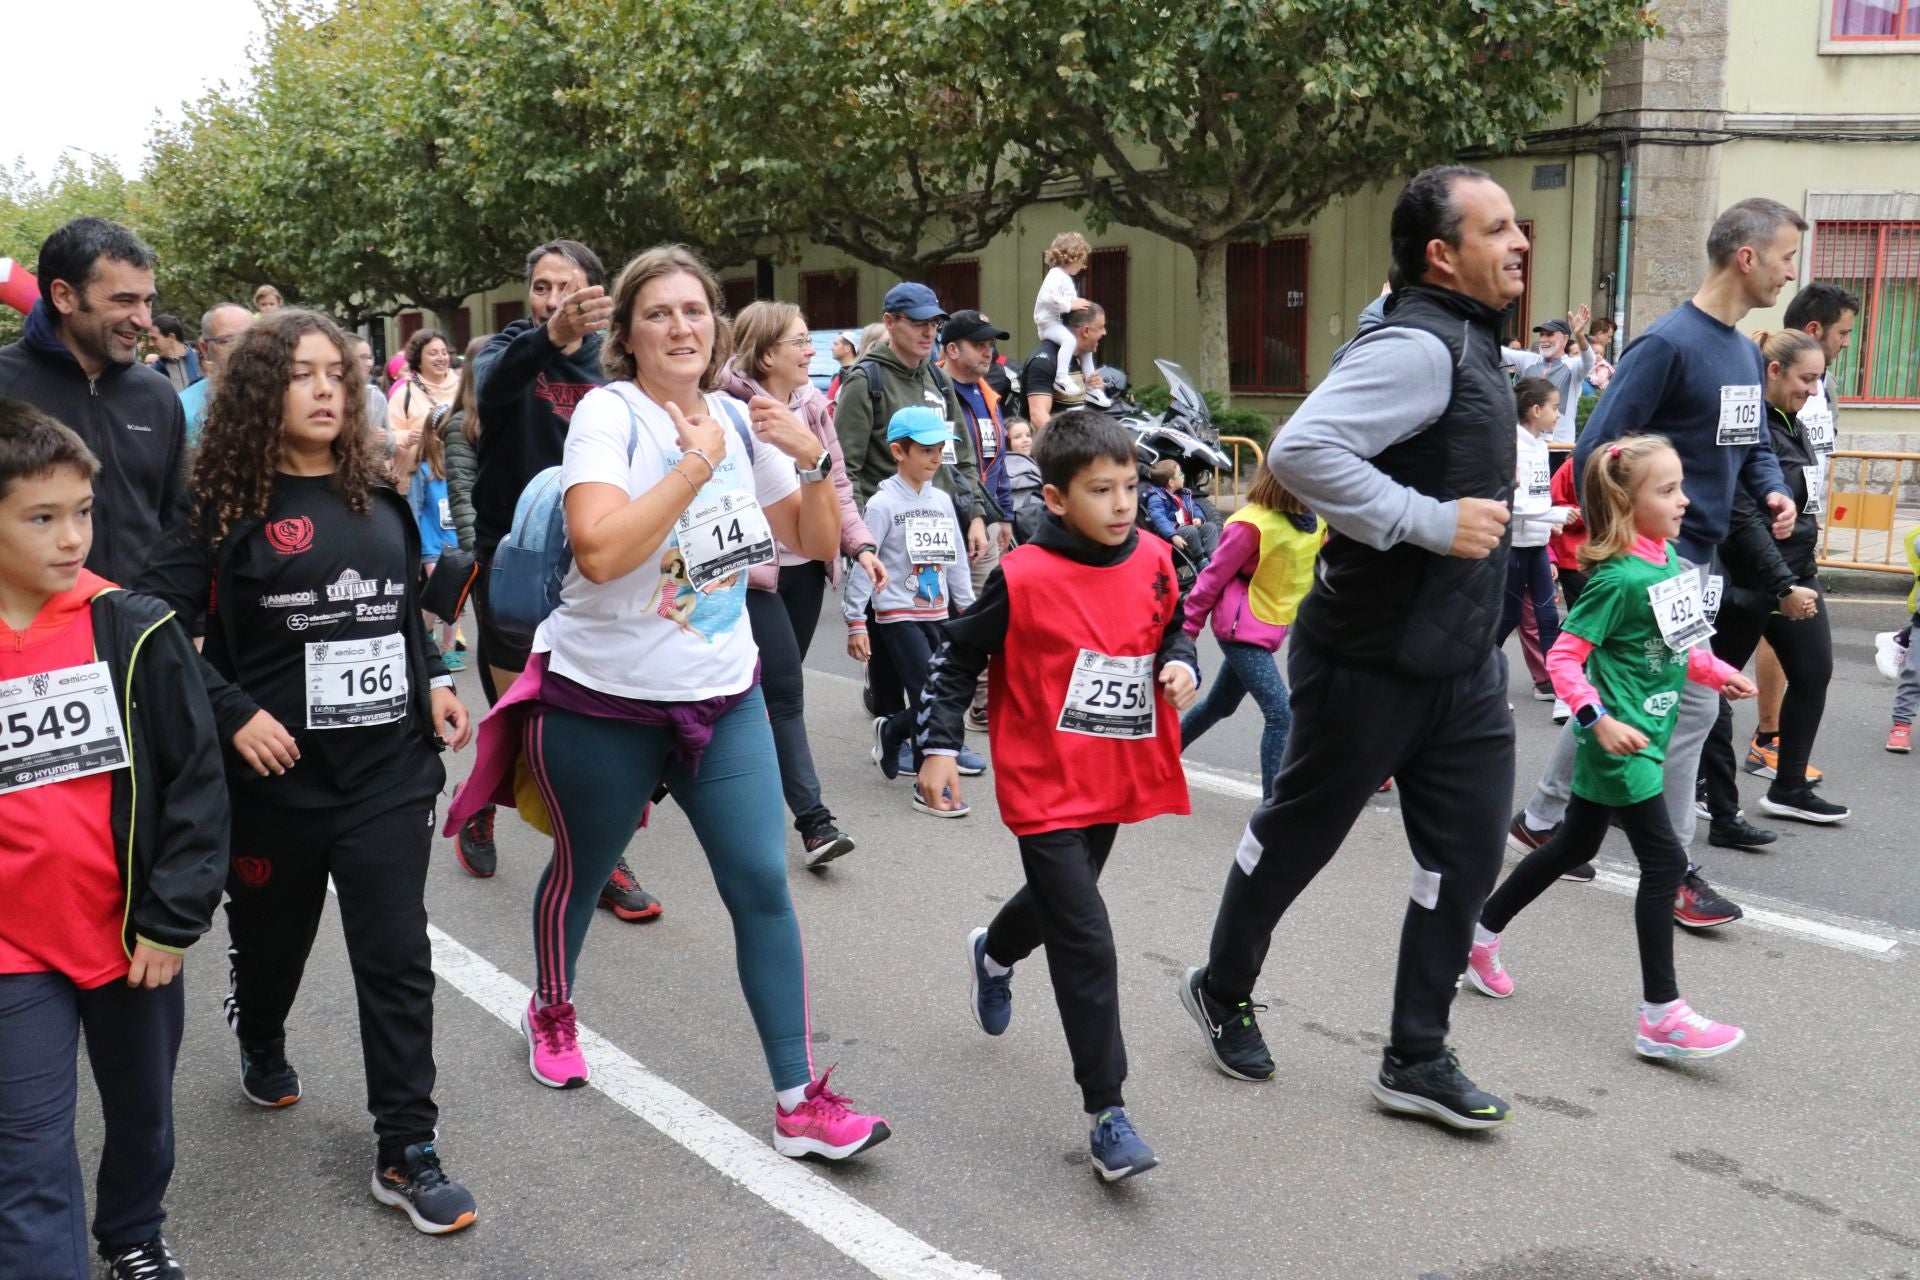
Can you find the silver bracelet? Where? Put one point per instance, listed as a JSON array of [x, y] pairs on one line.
[[702, 455]]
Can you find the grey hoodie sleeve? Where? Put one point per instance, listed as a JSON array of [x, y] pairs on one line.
[[1387, 389]]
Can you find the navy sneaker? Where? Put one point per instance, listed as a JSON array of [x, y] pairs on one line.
[[1233, 1037], [266, 1077], [1437, 1090], [1118, 1152], [148, 1260], [416, 1186], [992, 997], [885, 759], [826, 844], [971, 763]]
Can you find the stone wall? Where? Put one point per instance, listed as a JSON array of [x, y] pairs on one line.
[[1679, 82], [1881, 475]]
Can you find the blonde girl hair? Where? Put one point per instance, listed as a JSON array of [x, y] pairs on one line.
[[757, 331], [1265, 490], [1067, 248], [1614, 471], [868, 336], [658, 263]]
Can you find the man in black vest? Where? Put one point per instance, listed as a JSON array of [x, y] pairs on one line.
[[1407, 450]]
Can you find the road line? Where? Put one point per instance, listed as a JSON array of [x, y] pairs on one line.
[[1853, 935], [868, 1237]]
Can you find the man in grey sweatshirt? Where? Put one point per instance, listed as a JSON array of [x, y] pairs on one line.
[[1407, 449]]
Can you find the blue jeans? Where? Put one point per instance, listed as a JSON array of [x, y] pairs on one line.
[[596, 775], [1248, 669], [1530, 575]]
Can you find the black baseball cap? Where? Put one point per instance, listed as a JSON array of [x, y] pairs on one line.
[[968, 325], [1554, 326]]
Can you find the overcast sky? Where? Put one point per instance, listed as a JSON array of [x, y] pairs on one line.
[[102, 91]]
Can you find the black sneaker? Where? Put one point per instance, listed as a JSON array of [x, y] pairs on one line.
[[1696, 905], [977, 719], [1738, 833], [826, 844], [623, 895], [148, 1260], [1437, 1090], [1523, 838], [474, 847], [417, 1187], [1802, 805], [1233, 1037], [1582, 874], [267, 1078]]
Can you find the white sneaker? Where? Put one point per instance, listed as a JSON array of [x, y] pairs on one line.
[[1561, 711], [1098, 398], [1889, 655]]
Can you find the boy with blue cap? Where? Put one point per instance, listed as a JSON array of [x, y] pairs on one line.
[[919, 540]]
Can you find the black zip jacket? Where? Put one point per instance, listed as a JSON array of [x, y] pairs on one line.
[[1760, 569], [131, 418], [170, 807], [980, 632], [527, 389], [183, 572]]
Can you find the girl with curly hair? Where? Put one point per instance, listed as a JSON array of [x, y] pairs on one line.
[[304, 564]]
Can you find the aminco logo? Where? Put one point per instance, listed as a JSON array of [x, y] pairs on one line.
[[350, 586], [290, 537], [290, 599], [560, 396]]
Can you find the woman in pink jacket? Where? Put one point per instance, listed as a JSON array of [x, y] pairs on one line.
[[1251, 588], [771, 353]]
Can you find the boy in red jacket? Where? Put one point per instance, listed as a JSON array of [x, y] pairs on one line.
[[112, 855], [1103, 662]]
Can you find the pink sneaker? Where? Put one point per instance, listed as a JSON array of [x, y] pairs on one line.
[[1682, 1033], [553, 1046], [825, 1124], [1488, 975]]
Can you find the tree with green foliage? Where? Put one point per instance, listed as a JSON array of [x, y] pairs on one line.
[[774, 124], [1215, 121]]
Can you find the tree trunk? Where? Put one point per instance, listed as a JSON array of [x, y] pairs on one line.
[[1210, 284]]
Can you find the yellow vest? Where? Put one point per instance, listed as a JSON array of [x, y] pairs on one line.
[[1287, 555]]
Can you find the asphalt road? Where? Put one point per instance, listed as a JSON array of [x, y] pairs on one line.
[[1798, 1155]]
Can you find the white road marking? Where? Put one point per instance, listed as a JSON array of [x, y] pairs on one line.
[[1869, 937], [869, 1238]]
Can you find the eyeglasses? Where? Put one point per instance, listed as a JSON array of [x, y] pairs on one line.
[[800, 343], [221, 341]]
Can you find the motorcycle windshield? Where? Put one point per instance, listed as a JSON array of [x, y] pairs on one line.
[[1187, 400]]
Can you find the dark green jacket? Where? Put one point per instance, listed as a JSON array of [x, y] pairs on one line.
[[462, 462], [864, 441]]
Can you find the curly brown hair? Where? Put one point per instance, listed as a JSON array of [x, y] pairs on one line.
[[241, 439]]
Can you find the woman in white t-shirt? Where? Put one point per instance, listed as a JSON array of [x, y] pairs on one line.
[[648, 671]]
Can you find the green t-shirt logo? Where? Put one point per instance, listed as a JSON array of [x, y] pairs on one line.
[[1661, 703]]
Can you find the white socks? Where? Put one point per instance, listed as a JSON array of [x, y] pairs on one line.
[[993, 967], [790, 1098], [1483, 938], [1655, 1012]]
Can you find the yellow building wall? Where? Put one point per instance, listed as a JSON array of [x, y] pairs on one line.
[[1775, 64]]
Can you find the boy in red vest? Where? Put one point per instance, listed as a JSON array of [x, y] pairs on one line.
[[1103, 666], [113, 852]]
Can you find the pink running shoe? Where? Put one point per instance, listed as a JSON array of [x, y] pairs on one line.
[[553, 1046], [1488, 975], [825, 1124], [1682, 1033]]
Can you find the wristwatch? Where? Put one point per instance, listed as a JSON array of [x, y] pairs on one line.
[[818, 471], [1589, 715]]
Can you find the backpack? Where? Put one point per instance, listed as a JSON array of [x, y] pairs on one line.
[[530, 565]]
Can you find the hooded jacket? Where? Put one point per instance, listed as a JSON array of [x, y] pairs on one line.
[[864, 441], [527, 390], [169, 806], [130, 416], [1759, 568], [812, 409]]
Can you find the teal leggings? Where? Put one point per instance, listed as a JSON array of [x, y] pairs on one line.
[[595, 776]]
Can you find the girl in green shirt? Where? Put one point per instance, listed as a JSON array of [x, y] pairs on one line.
[[1636, 636]]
